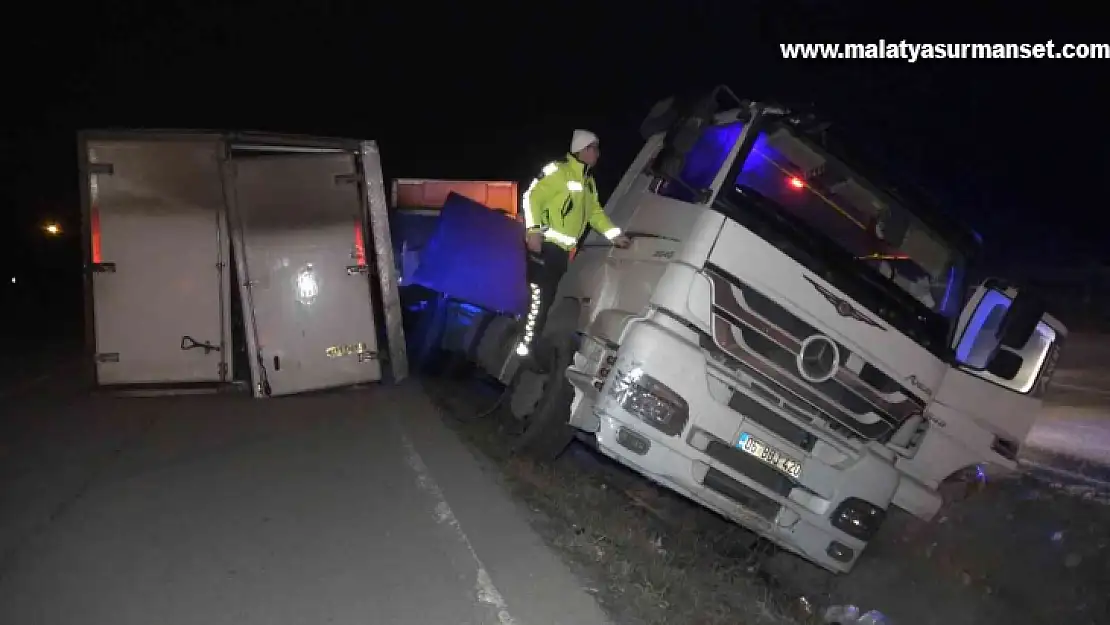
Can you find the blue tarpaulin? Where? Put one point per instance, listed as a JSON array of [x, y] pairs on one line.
[[476, 255], [411, 229], [411, 232]]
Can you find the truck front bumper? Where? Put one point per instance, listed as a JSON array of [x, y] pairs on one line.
[[695, 451]]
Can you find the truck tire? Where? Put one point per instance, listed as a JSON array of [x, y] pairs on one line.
[[547, 430]]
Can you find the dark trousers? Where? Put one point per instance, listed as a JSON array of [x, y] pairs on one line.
[[545, 270]]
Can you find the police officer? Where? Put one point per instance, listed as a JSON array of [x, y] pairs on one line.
[[557, 208]]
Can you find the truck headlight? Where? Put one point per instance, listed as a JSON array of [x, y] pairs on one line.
[[650, 401]]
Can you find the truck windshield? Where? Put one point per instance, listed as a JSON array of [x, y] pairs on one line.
[[792, 190], [819, 191]]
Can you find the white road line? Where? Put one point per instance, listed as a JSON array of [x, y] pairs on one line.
[[1066, 474], [486, 592], [1079, 387]]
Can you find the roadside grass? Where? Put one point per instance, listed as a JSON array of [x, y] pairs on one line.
[[1021, 549], [649, 556]]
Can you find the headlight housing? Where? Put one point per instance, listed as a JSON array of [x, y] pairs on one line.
[[650, 401]]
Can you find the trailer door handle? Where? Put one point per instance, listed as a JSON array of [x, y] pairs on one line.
[[188, 342], [353, 269]]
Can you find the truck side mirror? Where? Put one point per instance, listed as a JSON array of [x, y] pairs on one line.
[[1020, 321], [686, 125], [1005, 364], [661, 117], [691, 119]]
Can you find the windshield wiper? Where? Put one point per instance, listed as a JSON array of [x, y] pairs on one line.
[[819, 251]]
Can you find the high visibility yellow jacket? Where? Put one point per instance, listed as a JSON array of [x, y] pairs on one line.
[[563, 201]]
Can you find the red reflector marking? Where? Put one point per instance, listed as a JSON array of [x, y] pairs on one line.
[[94, 227], [360, 247]]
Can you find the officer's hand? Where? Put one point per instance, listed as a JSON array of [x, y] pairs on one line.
[[534, 240], [622, 241]]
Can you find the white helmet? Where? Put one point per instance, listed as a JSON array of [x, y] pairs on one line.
[[581, 140]]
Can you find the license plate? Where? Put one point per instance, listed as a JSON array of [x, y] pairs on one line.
[[770, 455]]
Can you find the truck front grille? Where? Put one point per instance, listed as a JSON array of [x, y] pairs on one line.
[[753, 500], [764, 339], [767, 418]]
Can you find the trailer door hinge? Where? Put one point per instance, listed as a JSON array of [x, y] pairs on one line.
[[353, 269], [108, 357], [101, 169], [102, 267]]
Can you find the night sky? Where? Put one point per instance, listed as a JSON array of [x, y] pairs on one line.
[[1015, 148]]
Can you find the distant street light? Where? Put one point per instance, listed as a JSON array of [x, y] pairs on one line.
[[53, 229]]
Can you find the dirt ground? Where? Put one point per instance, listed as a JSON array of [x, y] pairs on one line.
[[1023, 549]]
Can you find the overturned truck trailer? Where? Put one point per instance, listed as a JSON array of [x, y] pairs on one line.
[[417, 203], [216, 258]]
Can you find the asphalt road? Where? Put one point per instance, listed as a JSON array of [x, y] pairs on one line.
[[1075, 424], [348, 507], [1073, 430], [1070, 441]]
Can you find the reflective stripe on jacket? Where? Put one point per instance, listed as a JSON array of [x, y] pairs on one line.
[[563, 201]]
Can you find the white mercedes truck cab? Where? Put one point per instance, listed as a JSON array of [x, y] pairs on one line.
[[789, 341]]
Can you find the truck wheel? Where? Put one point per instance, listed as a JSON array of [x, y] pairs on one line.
[[547, 431]]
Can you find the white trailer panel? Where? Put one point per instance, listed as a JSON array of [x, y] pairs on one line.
[[300, 247], [163, 212], [157, 259]]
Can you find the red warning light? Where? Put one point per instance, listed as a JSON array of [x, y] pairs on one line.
[[796, 182]]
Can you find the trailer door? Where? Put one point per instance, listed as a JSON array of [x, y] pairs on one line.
[[156, 259], [306, 290]]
